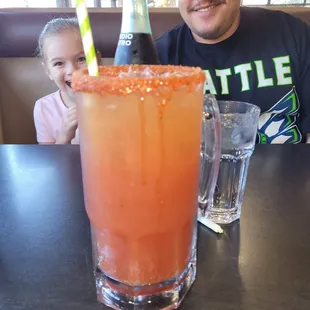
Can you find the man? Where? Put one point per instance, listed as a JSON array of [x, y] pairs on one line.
[[249, 54]]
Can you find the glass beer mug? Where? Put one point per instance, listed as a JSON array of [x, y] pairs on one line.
[[210, 153], [140, 140]]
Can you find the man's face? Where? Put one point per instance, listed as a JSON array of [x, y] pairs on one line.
[[211, 19]]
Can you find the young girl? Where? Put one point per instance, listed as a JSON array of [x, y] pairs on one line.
[[61, 51]]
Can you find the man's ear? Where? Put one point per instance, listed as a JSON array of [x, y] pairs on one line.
[[46, 70], [99, 58]]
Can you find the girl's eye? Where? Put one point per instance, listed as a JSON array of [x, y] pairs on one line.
[[81, 59], [58, 64]]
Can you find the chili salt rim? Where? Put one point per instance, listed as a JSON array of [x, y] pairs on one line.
[[108, 80]]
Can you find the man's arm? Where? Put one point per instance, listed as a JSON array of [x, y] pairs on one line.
[[301, 32], [168, 44]]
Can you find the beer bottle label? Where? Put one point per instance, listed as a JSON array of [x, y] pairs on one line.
[[136, 48]]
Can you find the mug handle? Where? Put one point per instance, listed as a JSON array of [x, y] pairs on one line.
[[210, 152]]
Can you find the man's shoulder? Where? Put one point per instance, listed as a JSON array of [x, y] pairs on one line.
[[166, 44], [171, 34]]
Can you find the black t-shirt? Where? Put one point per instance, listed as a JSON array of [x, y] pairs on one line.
[[265, 62]]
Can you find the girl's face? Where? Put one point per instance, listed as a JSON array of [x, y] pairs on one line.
[[63, 54]]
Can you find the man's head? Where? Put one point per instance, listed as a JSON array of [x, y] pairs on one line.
[[211, 21]]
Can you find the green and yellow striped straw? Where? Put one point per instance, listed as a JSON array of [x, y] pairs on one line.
[[87, 37]]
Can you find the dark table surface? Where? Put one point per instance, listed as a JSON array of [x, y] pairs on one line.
[[261, 262]]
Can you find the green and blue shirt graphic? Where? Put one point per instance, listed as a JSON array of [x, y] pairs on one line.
[[279, 123]]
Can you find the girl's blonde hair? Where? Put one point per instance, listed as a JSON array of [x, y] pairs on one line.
[[55, 26]]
